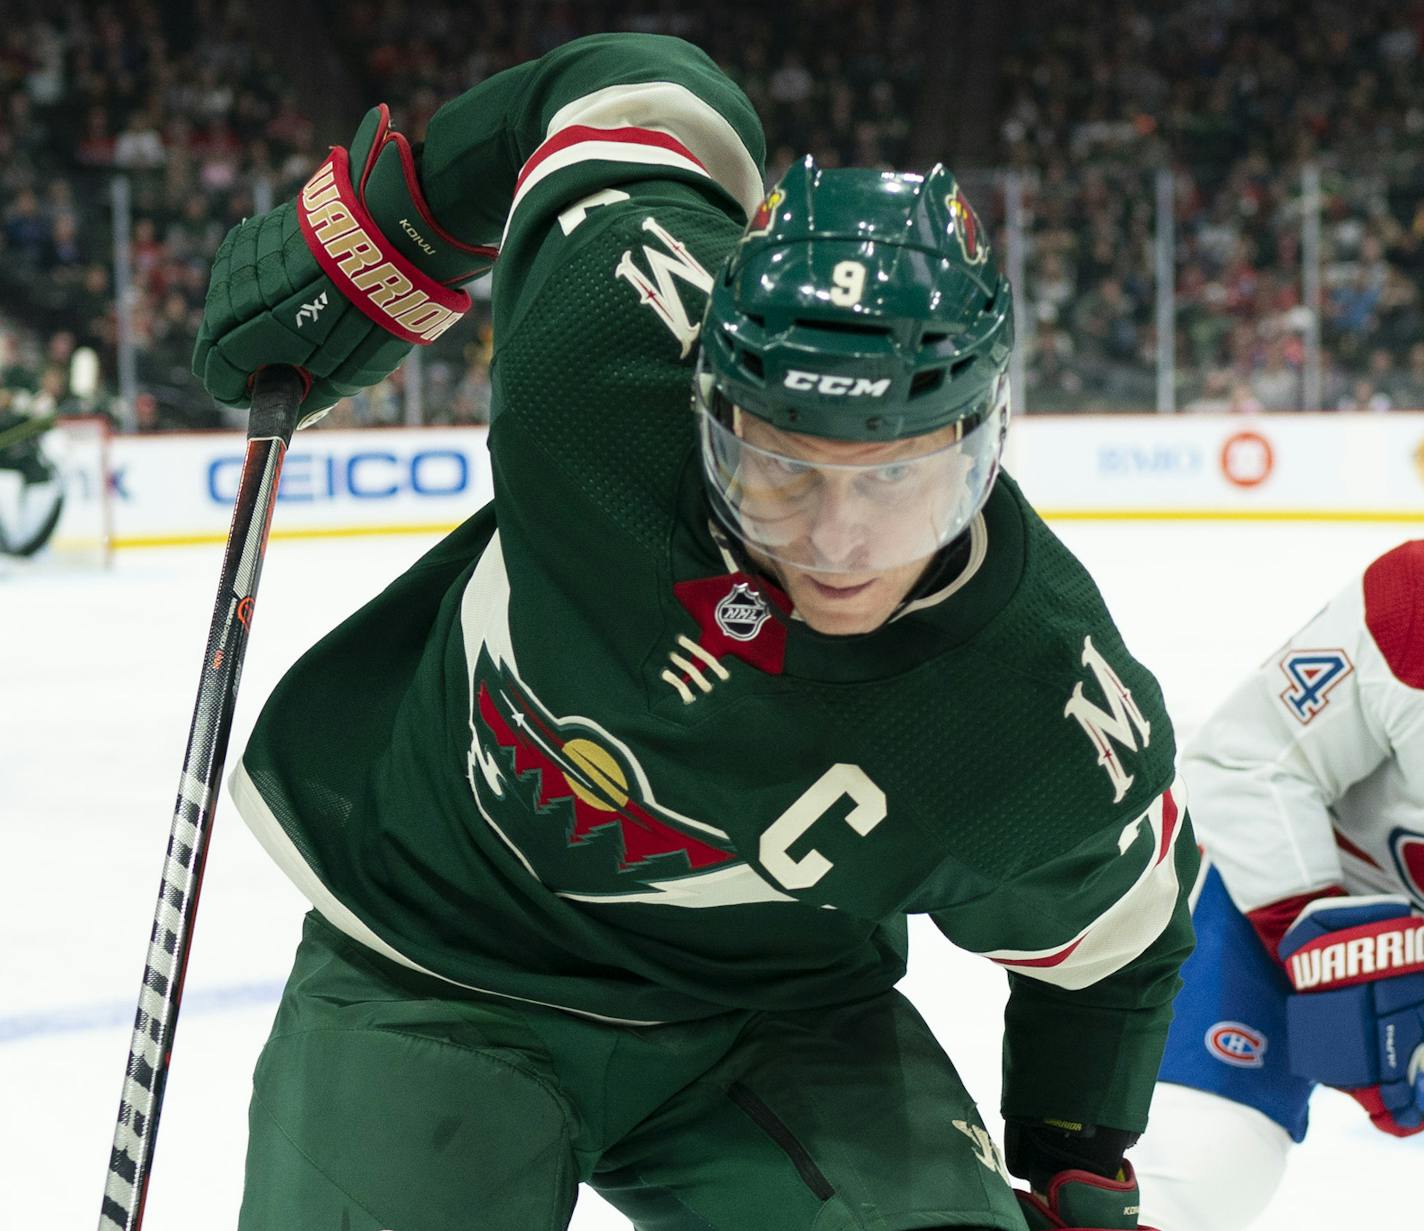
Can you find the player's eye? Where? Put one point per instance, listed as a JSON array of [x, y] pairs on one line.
[[787, 466], [889, 475]]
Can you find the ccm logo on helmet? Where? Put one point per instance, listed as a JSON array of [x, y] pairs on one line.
[[837, 386]]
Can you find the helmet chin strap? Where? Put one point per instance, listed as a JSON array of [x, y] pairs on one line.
[[943, 568]]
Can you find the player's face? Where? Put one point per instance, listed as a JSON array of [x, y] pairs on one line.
[[846, 527]]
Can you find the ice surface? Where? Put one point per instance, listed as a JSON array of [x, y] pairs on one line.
[[97, 677]]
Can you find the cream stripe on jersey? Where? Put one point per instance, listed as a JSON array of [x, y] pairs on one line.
[[1131, 923], [611, 151], [663, 107], [674, 109]]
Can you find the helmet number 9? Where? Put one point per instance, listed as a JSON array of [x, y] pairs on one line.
[[849, 279]]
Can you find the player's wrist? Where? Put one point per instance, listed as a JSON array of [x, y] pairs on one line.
[[1273, 920], [1077, 1175], [1037, 1151]]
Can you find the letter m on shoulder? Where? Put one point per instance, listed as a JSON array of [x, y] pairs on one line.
[[658, 289], [1121, 723]]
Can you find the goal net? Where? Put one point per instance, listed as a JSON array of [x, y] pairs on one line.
[[79, 449]]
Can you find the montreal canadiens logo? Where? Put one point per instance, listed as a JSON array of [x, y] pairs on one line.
[[1237, 1044], [742, 613], [1407, 847]]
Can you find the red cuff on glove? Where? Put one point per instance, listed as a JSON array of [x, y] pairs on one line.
[[1381, 1117], [1272, 921], [1046, 1211], [365, 266]]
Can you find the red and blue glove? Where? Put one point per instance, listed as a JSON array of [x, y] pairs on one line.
[[1356, 1020]]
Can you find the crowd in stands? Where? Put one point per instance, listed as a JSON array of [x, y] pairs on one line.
[[179, 98], [835, 77], [1233, 97]]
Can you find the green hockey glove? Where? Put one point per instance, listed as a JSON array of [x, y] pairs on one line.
[[1078, 1176], [339, 283], [1084, 1201]]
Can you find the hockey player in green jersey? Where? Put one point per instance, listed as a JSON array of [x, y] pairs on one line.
[[31, 490], [613, 808]]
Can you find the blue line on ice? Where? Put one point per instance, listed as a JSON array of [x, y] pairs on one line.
[[104, 1015]]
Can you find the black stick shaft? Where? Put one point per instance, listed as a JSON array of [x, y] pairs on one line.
[[276, 397]]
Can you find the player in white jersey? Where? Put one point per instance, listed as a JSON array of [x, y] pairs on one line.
[[1307, 789]]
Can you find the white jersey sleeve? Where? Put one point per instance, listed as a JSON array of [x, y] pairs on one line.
[[1311, 774]]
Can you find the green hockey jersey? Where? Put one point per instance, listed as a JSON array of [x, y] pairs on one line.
[[574, 756]]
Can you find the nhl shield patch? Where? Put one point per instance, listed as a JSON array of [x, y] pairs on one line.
[[735, 616], [742, 613]]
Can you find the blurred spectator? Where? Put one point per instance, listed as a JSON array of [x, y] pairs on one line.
[[1276, 383], [139, 147], [1364, 395], [27, 231], [1411, 381], [96, 146]]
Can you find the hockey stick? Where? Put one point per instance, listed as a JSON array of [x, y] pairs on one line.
[[23, 431], [275, 400]]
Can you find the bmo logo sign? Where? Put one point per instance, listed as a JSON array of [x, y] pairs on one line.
[[312, 475], [1247, 459]]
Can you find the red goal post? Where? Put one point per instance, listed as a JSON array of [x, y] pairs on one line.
[[79, 446]]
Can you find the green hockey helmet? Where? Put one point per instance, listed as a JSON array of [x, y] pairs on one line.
[[855, 353]]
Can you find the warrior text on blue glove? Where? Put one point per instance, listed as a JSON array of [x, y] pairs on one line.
[[1357, 1019]]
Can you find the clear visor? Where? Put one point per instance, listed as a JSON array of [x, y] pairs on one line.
[[847, 508]]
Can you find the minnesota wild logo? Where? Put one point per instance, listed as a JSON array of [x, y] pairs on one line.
[[587, 785], [964, 225], [765, 214]]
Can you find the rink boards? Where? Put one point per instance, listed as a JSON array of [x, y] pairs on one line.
[[178, 489]]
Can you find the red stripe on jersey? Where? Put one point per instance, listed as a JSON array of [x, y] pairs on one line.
[[577, 133], [1350, 848], [1169, 825], [1392, 596], [1053, 959]]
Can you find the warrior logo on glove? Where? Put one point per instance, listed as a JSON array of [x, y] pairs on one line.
[[370, 273]]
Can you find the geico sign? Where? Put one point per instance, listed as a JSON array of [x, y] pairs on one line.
[[371, 474]]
